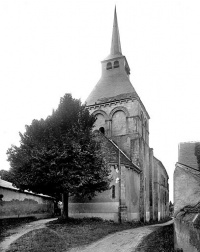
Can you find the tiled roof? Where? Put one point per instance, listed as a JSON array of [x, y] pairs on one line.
[[8, 185]]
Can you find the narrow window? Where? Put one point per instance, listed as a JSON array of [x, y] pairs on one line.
[[113, 192], [102, 130], [116, 64], [109, 66]]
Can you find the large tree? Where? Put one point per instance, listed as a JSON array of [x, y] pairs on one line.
[[59, 155]]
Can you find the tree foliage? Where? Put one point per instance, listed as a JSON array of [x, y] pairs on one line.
[[59, 154], [6, 175]]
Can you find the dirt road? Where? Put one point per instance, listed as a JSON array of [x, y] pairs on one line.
[[125, 241]]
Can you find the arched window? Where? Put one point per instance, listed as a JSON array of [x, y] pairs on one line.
[[113, 192], [119, 123], [109, 66], [116, 64], [102, 130], [100, 121]]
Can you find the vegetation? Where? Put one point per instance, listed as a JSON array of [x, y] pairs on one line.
[[59, 155], [7, 224], [68, 234], [6, 175], [76, 233], [162, 240]]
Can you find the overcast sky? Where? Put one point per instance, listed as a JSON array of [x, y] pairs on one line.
[[49, 48]]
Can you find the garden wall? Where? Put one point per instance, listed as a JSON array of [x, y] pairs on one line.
[[15, 204]]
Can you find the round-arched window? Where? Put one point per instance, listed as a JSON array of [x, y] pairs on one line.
[[119, 123], [116, 64], [102, 130], [109, 66]]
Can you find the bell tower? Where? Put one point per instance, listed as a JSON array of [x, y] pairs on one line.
[[120, 113]]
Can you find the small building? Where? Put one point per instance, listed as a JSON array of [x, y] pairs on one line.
[[15, 203], [139, 190]]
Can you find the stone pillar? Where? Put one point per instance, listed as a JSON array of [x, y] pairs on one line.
[[123, 213], [109, 127], [151, 184], [122, 207]]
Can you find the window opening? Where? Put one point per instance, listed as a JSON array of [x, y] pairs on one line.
[[113, 192], [116, 64], [102, 130], [109, 66]]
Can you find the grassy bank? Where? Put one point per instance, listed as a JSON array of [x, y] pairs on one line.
[[162, 240], [6, 224]]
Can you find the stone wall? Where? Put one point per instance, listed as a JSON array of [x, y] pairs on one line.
[[187, 154], [187, 200], [106, 204], [187, 231], [18, 204], [160, 190]]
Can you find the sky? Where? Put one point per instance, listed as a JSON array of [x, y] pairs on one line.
[[49, 48]]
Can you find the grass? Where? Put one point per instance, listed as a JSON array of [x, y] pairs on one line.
[[41, 240], [68, 234], [161, 240], [6, 224]]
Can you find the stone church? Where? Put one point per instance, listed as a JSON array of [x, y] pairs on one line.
[[139, 189]]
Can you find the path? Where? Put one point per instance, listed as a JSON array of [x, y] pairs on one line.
[[124, 241], [18, 232]]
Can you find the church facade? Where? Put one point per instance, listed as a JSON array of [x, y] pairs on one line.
[[139, 189]]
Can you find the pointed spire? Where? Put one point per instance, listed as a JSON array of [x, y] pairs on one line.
[[115, 44]]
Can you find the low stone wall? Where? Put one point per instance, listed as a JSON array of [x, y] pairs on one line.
[[187, 201], [16, 204], [105, 210], [187, 231]]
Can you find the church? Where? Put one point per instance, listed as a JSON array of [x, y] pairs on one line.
[[139, 189]]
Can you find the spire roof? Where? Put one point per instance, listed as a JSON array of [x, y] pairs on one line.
[[115, 43]]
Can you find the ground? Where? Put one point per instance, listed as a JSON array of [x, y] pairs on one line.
[[76, 236]]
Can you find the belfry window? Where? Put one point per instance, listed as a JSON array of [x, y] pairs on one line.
[[109, 66], [116, 64]]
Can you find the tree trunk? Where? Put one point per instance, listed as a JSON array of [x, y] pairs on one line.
[[65, 205]]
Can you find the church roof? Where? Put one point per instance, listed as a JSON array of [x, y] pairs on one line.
[[114, 84], [110, 88], [111, 151]]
